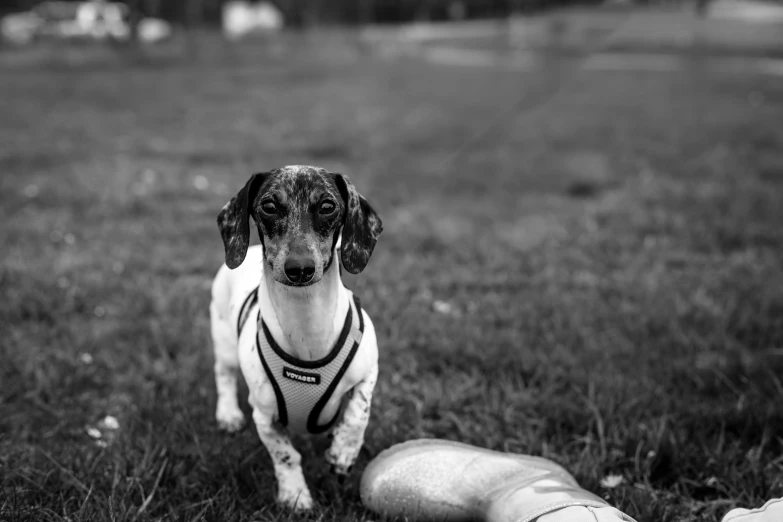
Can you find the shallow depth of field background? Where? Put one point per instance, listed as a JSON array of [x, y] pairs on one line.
[[580, 261]]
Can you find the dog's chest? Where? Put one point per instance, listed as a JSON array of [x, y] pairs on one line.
[[308, 395]]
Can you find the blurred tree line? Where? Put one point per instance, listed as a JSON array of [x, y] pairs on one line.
[[302, 13]]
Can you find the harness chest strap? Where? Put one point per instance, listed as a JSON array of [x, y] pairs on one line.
[[303, 388]]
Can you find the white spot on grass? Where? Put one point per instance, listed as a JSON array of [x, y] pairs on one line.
[[99, 311], [63, 282], [442, 307], [31, 191], [149, 176], [95, 433], [86, 358], [118, 267], [111, 422], [69, 238], [611, 481], [201, 183], [101, 443]]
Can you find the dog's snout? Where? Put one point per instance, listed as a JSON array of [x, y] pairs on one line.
[[299, 269]]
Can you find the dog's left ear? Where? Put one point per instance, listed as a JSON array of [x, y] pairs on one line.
[[361, 227], [234, 221]]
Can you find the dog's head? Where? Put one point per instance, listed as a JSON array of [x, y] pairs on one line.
[[301, 213]]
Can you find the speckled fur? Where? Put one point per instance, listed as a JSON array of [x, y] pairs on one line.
[[348, 435], [351, 234], [362, 227]]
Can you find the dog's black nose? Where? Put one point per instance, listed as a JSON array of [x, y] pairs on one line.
[[299, 270]]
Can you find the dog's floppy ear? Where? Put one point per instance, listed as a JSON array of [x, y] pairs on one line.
[[361, 227], [234, 221]]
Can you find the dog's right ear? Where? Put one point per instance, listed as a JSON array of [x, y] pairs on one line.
[[234, 221]]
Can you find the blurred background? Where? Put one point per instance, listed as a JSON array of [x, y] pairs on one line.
[[581, 256]]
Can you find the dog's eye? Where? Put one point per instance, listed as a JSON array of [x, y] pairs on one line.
[[269, 207], [327, 207]]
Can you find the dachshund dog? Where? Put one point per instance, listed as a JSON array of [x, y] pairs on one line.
[[280, 312]]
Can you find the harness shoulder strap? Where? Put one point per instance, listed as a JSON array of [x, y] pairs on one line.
[[244, 312], [352, 342]]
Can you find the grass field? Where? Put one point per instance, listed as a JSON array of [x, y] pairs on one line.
[[609, 254]]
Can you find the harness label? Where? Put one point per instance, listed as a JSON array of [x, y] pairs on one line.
[[307, 378]]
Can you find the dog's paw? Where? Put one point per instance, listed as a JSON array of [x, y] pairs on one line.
[[299, 500], [341, 462], [230, 420]]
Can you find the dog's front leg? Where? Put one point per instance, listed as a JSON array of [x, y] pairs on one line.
[[348, 435], [292, 490], [224, 342]]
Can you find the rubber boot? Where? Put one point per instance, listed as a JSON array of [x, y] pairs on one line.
[[431, 479], [772, 511]]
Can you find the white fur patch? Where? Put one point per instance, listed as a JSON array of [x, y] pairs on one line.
[[348, 435], [292, 490]]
